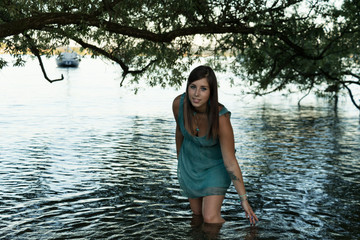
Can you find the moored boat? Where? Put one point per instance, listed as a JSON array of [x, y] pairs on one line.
[[68, 59]]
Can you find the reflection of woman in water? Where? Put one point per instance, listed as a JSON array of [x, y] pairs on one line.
[[205, 148]]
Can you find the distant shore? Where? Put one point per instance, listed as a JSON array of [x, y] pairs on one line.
[[79, 50], [58, 50]]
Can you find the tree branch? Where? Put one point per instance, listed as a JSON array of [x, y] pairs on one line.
[[137, 71], [278, 88], [110, 56], [101, 51], [354, 75], [36, 52], [308, 92], [42, 20], [343, 83], [351, 96]]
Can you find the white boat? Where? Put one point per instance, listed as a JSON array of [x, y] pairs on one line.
[[68, 59]]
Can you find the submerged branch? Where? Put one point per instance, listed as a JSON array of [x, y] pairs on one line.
[[310, 88]]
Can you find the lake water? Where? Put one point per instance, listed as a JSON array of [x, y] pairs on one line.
[[86, 159]]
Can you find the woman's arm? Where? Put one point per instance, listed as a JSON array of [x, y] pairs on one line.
[[226, 137], [178, 139], [178, 135]]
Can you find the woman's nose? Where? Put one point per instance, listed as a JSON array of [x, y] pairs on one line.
[[197, 92]]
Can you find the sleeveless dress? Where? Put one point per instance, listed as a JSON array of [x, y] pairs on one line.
[[201, 170]]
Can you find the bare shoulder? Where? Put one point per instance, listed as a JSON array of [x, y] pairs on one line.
[[176, 105], [176, 102]]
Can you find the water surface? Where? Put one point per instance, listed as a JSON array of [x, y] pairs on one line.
[[85, 159]]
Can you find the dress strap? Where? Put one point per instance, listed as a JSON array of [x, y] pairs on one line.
[[224, 110]]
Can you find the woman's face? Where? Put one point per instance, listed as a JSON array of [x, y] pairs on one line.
[[199, 93]]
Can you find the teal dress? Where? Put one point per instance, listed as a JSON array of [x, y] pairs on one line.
[[201, 170]]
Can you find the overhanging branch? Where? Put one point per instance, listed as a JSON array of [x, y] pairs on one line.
[[36, 52], [353, 75], [351, 96], [42, 20], [124, 67], [343, 83]]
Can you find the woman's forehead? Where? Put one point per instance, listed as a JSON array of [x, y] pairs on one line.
[[201, 82]]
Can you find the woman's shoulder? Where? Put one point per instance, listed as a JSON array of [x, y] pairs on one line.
[[176, 101], [176, 104]]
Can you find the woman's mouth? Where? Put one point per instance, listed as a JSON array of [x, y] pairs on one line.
[[196, 100]]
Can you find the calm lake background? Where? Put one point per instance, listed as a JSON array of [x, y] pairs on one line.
[[86, 159]]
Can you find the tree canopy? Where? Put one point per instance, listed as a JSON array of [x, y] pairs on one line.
[[273, 45]]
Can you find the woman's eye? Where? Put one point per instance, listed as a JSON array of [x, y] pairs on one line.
[[192, 87], [203, 89]]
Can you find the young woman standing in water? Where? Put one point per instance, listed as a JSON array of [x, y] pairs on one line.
[[205, 148]]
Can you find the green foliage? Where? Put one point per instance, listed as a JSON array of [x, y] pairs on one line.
[[270, 44]]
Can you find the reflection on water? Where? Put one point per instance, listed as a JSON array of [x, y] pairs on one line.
[[84, 159]]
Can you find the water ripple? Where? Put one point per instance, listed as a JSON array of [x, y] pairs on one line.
[[78, 167]]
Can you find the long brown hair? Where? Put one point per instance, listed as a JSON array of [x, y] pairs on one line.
[[198, 73]]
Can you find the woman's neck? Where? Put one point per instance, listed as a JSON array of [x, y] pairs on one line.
[[201, 110]]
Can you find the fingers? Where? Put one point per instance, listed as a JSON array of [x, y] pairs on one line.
[[252, 217], [249, 213]]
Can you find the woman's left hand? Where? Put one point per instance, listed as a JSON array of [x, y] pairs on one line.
[[249, 212]]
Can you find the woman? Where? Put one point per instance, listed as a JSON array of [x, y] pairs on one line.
[[205, 148]]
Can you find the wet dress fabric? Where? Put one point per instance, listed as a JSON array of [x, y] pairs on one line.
[[201, 170]]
